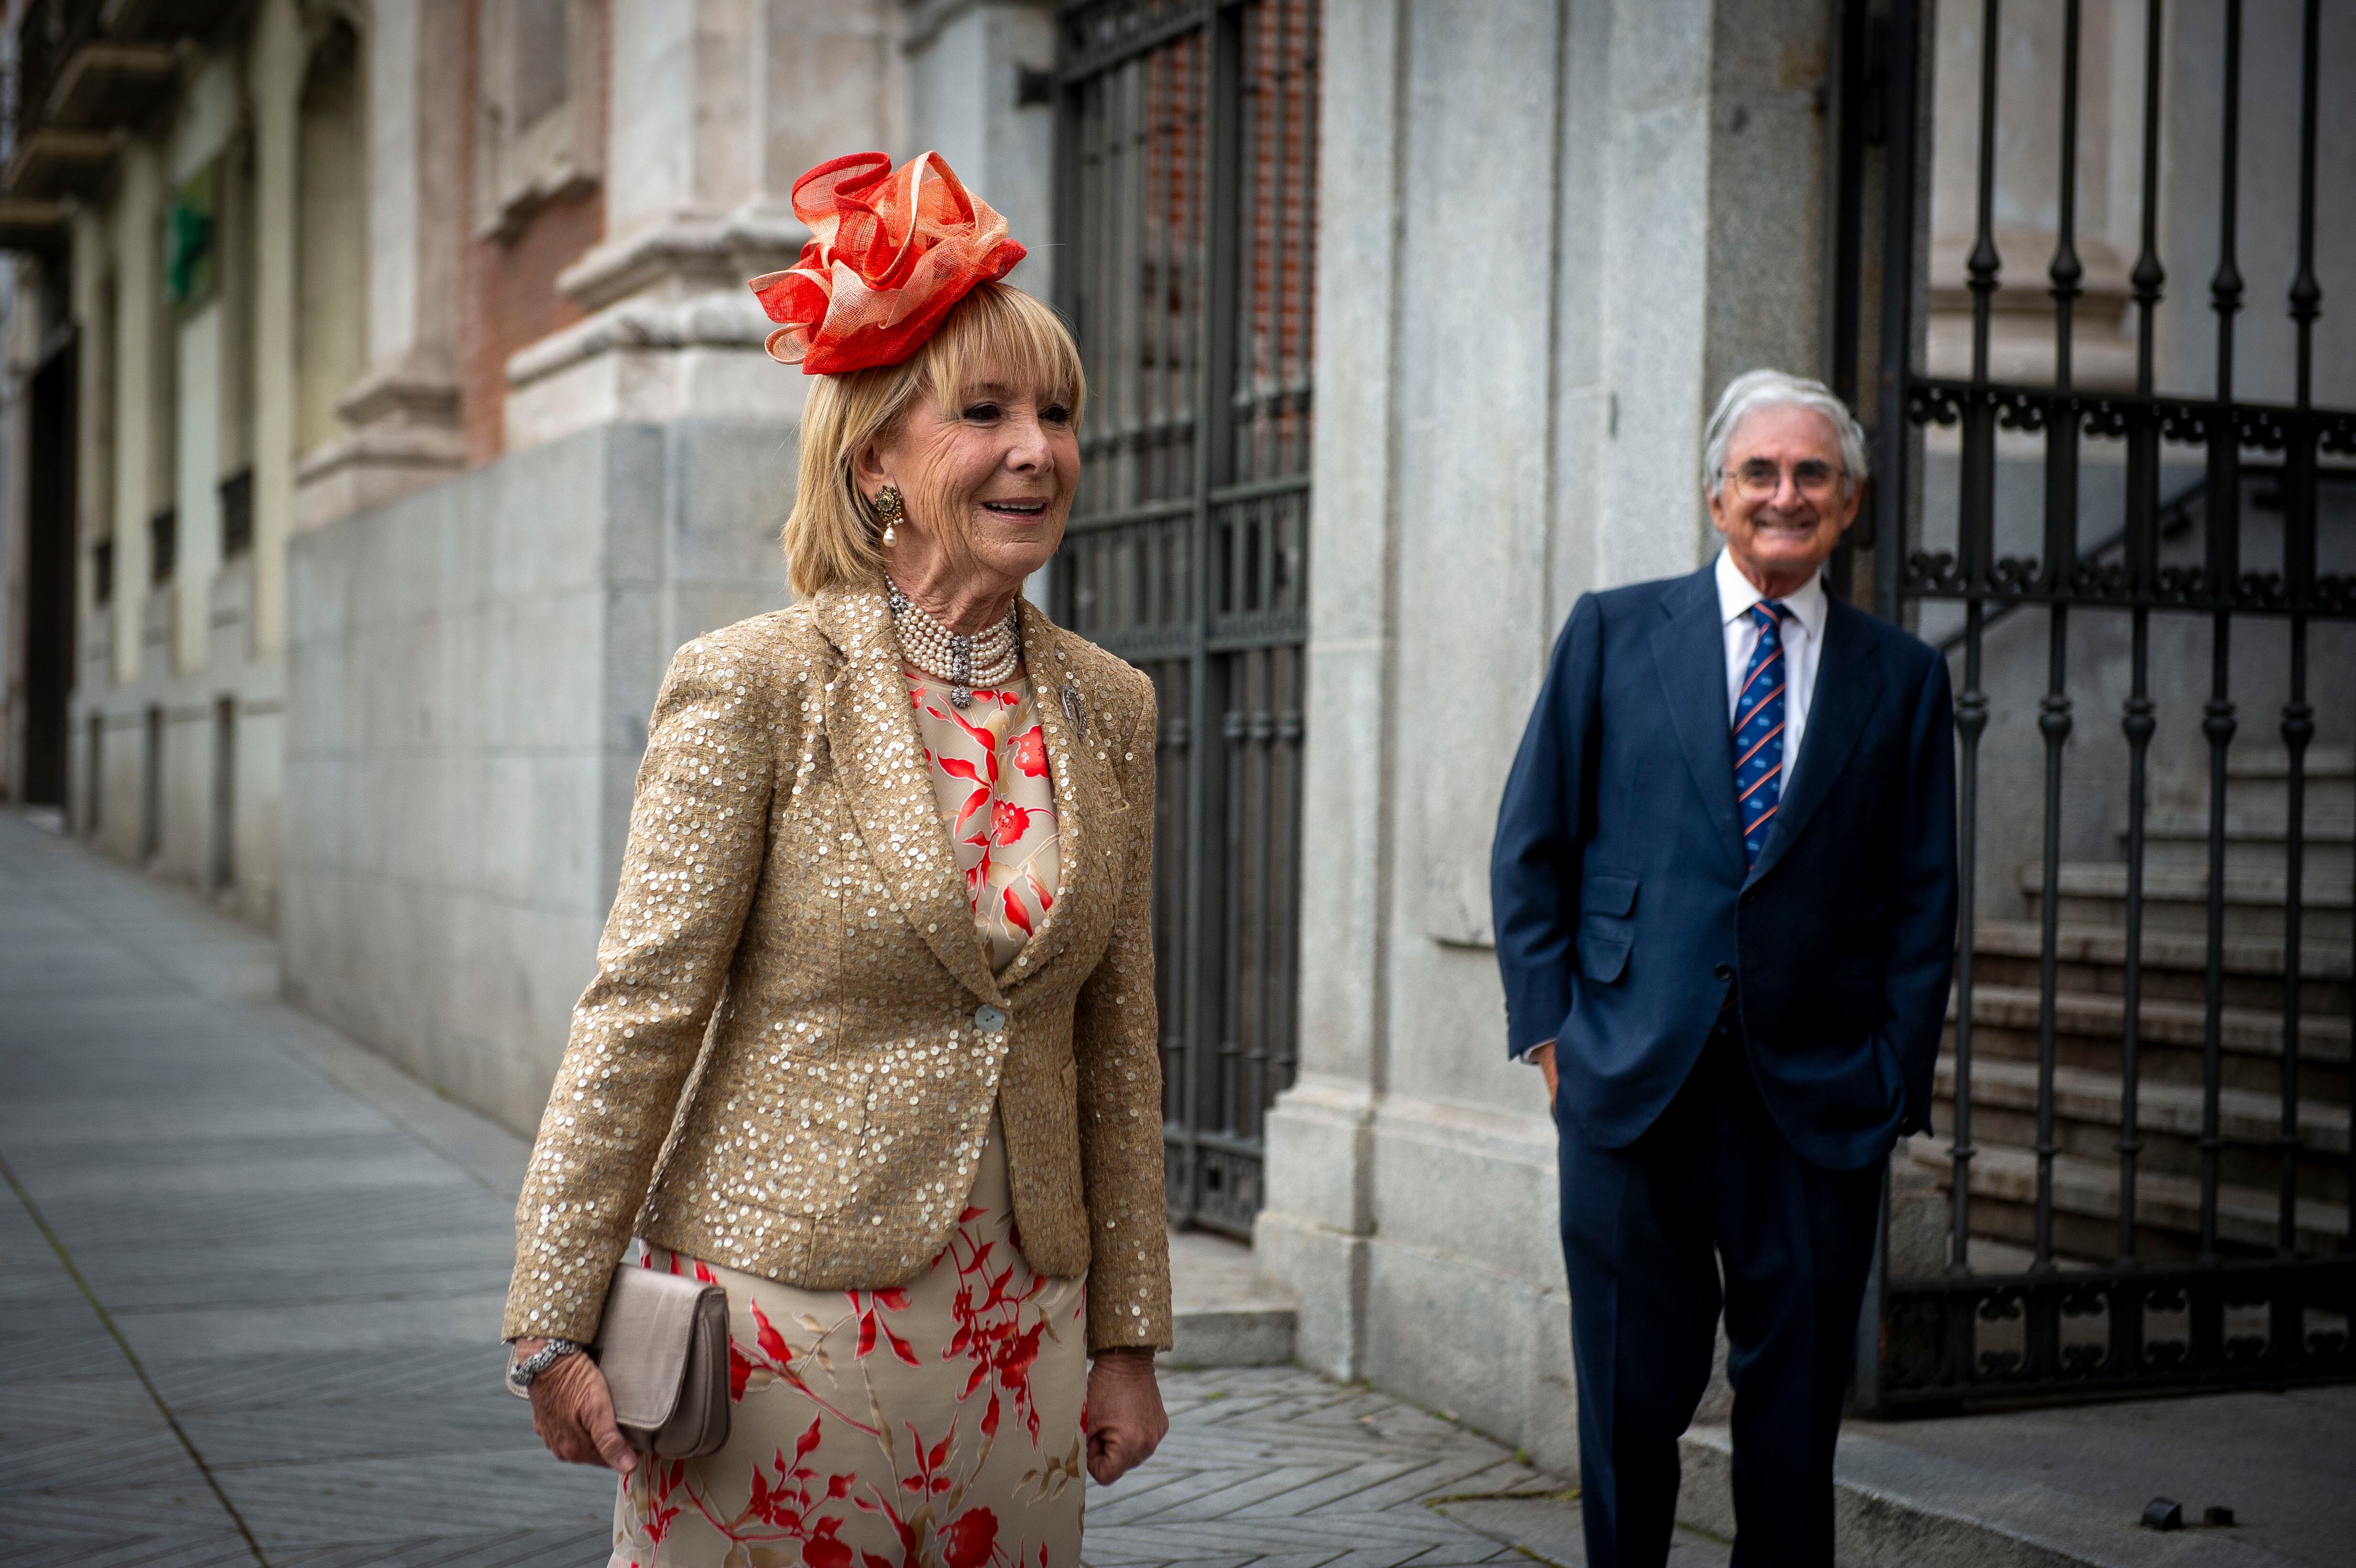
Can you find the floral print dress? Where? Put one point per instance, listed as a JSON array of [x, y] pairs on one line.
[[935, 1424]]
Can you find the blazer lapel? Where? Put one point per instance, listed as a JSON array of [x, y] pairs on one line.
[[1848, 686], [871, 732], [1689, 652], [1068, 719]]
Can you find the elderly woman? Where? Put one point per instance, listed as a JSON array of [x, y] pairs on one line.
[[871, 1042]]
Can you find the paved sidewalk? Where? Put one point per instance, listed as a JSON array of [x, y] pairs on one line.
[[254, 1288], [281, 1343]]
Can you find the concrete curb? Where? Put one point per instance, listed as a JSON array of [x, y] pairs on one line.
[[1897, 1507]]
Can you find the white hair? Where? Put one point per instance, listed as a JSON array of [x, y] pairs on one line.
[[1755, 390]]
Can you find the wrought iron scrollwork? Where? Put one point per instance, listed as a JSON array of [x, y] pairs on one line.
[[1933, 571], [1936, 402], [2260, 428], [2015, 577], [1927, 1364], [2018, 408]]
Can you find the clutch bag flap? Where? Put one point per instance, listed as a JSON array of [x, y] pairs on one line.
[[661, 1334]]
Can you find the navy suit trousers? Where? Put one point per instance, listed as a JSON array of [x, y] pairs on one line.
[[1712, 1190]]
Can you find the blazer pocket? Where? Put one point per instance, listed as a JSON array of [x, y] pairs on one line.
[[1606, 891], [1602, 958]]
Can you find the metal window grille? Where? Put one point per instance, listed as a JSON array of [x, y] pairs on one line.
[[163, 545], [2149, 600], [237, 512], [1186, 205]]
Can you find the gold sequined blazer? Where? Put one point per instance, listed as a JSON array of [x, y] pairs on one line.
[[788, 1059]]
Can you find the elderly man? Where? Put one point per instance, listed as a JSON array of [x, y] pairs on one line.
[[1724, 884]]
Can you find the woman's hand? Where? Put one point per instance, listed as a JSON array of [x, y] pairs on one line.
[[1124, 1414], [574, 1413]]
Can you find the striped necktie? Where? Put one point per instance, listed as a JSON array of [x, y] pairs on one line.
[[1758, 730]]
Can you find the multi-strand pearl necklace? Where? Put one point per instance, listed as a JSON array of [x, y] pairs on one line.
[[988, 659]]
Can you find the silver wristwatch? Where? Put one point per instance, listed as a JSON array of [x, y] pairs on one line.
[[520, 1373]]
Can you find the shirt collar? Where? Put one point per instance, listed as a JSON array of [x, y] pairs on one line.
[[1736, 595]]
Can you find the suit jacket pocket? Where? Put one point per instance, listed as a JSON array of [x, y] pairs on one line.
[[1603, 891], [1602, 958]]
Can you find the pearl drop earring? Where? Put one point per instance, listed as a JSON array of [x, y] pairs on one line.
[[888, 507]]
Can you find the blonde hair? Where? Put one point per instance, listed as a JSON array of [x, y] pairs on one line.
[[831, 539]]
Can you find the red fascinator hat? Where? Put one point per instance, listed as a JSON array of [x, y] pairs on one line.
[[891, 251]]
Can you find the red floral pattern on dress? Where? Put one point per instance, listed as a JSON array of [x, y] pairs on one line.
[[990, 771], [894, 1428]]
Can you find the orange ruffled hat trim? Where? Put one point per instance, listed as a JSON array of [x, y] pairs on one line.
[[890, 251]]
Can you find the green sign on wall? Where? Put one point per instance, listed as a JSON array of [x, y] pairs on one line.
[[190, 274]]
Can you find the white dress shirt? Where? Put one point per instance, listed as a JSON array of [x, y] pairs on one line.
[[1804, 637]]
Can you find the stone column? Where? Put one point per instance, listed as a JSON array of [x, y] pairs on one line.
[[1312, 1233], [404, 411], [966, 62], [273, 88], [725, 102], [1546, 238], [139, 324]]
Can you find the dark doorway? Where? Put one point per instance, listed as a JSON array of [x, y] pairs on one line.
[[49, 578], [151, 789], [223, 874]]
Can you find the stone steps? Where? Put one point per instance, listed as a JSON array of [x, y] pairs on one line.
[[2255, 846], [2089, 1017], [2177, 900], [2093, 959], [2257, 780], [2087, 1112], [2172, 1036], [2086, 1205], [1223, 1313]]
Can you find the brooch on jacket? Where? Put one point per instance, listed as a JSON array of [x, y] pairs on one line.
[[1076, 710]]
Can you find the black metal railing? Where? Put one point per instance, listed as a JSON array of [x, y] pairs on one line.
[[1185, 218], [2147, 1084]]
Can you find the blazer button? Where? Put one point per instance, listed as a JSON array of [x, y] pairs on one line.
[[988, 1019], [1724, 971]]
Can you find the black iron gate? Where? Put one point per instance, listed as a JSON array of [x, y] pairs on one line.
[[1185, 219], [2146, 1165]]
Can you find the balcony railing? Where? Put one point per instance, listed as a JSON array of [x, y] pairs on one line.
[[87, 70]]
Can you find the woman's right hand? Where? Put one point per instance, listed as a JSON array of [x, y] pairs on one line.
[[573, 1412]]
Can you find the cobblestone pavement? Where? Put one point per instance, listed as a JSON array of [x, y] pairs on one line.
[[254, 1285]]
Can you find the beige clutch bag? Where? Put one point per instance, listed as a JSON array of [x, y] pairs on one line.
[[663, 1346]]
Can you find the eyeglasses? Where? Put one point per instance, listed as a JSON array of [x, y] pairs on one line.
[[1759, 479]]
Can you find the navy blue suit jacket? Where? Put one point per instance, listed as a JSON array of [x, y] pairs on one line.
[[1624, 913]]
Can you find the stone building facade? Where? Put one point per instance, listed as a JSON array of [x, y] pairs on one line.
[[1549, 235], [385, 401], [389, 503]]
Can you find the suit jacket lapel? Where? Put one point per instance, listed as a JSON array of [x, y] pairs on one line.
[[870, 732], [1069, 720], [1848, 685], [1689, 652]]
